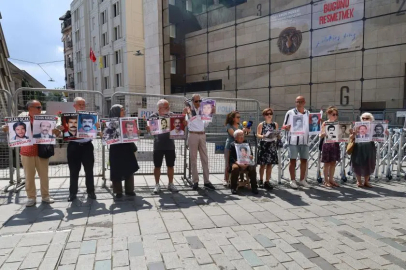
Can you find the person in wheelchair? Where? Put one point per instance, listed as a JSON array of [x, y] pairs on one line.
[[236, 167]]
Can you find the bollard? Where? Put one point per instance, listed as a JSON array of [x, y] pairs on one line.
[[388, 156]]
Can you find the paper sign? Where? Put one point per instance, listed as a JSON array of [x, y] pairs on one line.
[[177, 127], [314, 123], [19, 131], [243, 154], [129, 129], [110, 127], [42, 129], [344, 131], [363, 132], [70, 125], [332, 131], [298, 126], [87, 125], [379, 129]]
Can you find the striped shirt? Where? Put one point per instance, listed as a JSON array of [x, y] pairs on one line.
[[302, 139]]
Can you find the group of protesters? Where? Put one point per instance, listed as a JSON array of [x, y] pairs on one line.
[[123, 162]]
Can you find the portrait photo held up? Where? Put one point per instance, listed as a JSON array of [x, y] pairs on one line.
[[159, 126], [19, 131], [42, 129], [344, 131], [332, 131], [379, 131], [206, 109], [314, 123], [244, 154], [70, 125], [177, 127], [129, 129], [363, 132], [110, 128], [87, 125], [298, 125]]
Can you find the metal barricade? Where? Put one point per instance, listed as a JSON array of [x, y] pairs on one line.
[[6, 153], [53, 101], [141, 106]]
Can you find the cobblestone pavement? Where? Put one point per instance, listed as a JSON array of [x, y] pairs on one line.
[[316, 228]]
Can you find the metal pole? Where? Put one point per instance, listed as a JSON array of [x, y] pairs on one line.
[[378, 158], [279, 166], [104, 166], [400, 154], [388, 156]]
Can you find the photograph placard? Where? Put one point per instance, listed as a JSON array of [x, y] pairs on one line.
[[379, 129], [314, 123], [87, 125], [19, 131], [177, 127], [206, 109], [344, 131], [363, 132], [298, 125], [129, 129], [42, 129], [159, 125], [272, 136], [244, 154], [110, 128], [332, 131], [70, 125]]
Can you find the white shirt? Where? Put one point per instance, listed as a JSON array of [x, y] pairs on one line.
[[174, 132], [195, 123], [302, 139]]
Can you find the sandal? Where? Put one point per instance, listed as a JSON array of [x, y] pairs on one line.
[[359, 184], [327, 184], [368, 185], [334, 184]]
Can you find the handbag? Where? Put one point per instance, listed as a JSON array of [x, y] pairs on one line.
[[350, 147], [45, 150]]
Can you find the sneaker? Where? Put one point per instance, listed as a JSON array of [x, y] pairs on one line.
[[260, 183], [130, 194], [91, 195], [119, 195], [172, 188], [48, 200], [293, 184], [209, 186], [304, 184], [195, 186], [31, 202], [254, 190], [157, 189], [267, 185], [225, 183], [72, 197]]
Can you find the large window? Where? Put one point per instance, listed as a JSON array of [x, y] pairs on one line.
[[116, 9], [118, 80], [173, 64], [117, 34], [105, 61], [118, 56], [104, 39], [103, 17]]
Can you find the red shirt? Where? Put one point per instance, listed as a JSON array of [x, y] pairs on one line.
[[32, 150]]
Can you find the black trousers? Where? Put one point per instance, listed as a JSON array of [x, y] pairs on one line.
[[78, 154]]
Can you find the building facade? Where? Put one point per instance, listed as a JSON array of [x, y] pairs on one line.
[[66, 29], [349, 53], [114, 30]]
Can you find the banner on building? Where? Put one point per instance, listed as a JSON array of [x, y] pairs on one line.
[[331, 12]]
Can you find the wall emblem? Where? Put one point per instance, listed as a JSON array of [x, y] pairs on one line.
[[289, 41]]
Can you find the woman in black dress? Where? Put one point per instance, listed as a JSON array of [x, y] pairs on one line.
[[123, 163]]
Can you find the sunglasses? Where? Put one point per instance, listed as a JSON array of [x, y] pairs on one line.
[[197, 101], [268, 114], [334, 114]]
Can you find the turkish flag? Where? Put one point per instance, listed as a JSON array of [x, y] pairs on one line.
[[92, 56]]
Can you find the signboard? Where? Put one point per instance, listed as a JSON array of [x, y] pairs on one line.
[[332, 12], [144, 113], [219, 148], [144, 156], [224, 108], [54, 107], [298, 18], [401, 114]]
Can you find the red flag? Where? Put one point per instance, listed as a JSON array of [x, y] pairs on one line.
[[92, 56]]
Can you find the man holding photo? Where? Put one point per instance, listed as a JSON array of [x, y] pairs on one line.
[[164, 146], [297, 144]]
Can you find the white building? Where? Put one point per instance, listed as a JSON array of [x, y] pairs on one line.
[[114, 30]]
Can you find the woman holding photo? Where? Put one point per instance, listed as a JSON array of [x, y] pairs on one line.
[[267, 152], [363, 157], [232, 124], [123, 163], [330, 152]]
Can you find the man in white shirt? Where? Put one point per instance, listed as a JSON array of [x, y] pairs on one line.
[[176, 131], [298, 144], [197, 142], [80, 152]]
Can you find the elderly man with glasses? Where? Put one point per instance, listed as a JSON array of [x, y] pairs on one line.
[[32, 163], [197, 142]]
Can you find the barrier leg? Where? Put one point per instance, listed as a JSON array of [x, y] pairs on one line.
[[279, 166], [343, 162], [19, 183], [388, 157], [400, 155], [378, 159], [11, 170]]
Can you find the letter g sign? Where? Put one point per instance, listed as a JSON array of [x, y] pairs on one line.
[[344, 98]]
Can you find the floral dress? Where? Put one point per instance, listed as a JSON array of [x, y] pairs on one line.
[[267, 152]]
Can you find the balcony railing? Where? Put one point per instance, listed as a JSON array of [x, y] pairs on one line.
[[70, 64], [66, 24], [69, 44]]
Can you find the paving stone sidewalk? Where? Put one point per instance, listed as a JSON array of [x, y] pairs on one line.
[[317, 228]]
